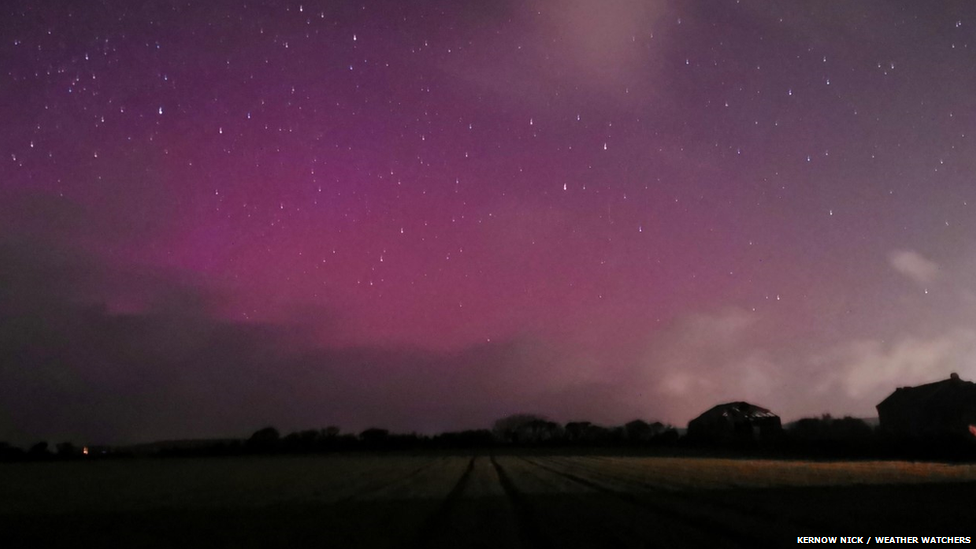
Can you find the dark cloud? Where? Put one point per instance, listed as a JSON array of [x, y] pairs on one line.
[[98, 353]]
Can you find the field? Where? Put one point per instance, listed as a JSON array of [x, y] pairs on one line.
[[530, 501]]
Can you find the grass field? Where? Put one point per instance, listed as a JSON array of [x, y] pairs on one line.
[[476, 501]]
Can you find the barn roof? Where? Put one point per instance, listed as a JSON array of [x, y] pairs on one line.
[[738, 411], [947, 390]]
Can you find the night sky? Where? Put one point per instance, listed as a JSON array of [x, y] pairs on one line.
[[427, 215]]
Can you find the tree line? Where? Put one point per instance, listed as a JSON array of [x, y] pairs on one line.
[[823, 436], [519, 430]]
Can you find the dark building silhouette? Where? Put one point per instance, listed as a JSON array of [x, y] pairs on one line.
[[735, 421], [946, 407]]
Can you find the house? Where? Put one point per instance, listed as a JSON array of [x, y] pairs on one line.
[[735, 421], [946, 407]]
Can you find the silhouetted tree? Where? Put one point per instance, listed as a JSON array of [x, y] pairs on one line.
[[480, 438], [639, 431], [575, 431], [374, 434], [616, 435], [328, 439], [827, 436], [826, 428], [664, 434], [588, 434], [345, 441], [537, 431], [264, 440], [301, 441], [39, 451], [850, 428], [374, 438], [408, 441], [67, 450], [507, 428], [10, 453], [331, 439]]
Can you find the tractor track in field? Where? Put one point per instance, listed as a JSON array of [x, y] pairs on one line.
[[440, 518], [692, 521], [530, 535], [703, 502], [385, 484]]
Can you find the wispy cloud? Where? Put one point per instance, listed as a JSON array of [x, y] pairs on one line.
[[914, 266], [707, 358], [870, 369]]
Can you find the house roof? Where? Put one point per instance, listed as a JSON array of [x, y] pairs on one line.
[[947, 390], [738, 411]]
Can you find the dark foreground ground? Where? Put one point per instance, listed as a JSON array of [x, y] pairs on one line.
[[476, 501]]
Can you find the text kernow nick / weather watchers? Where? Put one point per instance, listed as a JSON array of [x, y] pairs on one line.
[[883, 539]]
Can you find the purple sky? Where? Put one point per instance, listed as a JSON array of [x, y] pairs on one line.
[[428, 215]]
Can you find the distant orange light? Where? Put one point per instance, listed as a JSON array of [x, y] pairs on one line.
[[84, 450]]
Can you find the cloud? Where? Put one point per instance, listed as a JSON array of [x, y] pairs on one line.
[[73, 369], [93, 350], [914, 266], [708, 358], [868, 370], [584, 48], [704, 359]]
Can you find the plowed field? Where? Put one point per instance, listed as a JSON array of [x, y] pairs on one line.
[[476, 501]]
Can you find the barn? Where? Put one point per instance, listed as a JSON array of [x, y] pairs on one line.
[[946, 407], [735, 421]]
